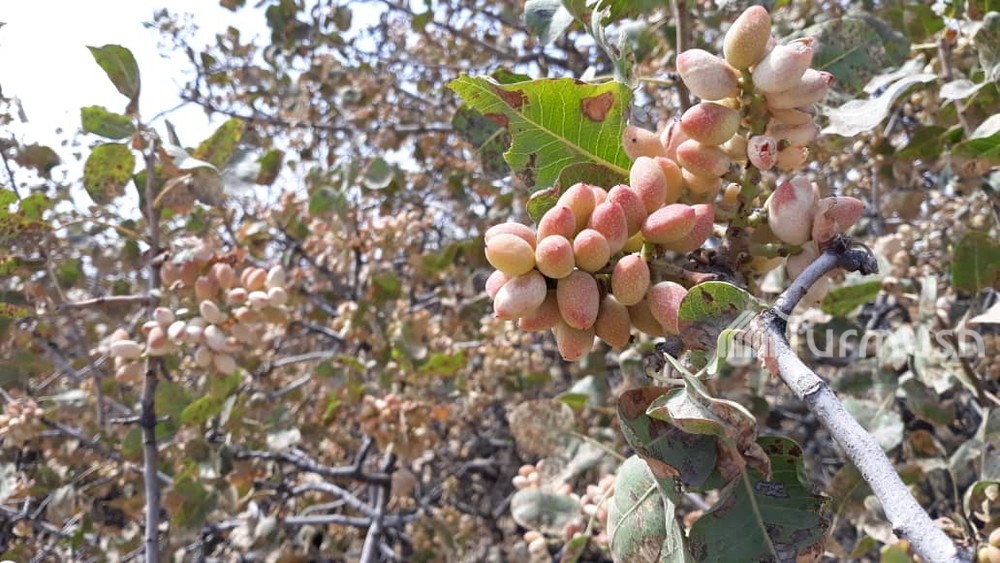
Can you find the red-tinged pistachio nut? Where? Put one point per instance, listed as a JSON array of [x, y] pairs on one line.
[[762, 264], [669, 223], [148, 326], [203, 357], [205, 288], [215, 338], [554, 257], [641, 142], [193, 333], [675, 179], [211, 312], [578, 298], [277, 295], [710, 123], [794, 116], [647, 179], [579, 198], [762, 151], [784, 66], [630, 279], [642, 318], [163, 316], [613, 324], [244, 334], [609, 220], [703, 160], [700, 185], [736, 148], [664, 301], [811, 88], [794, 134], [731, 195], [508, 253], [544, 317], [600, 194], [256, 279], [223, 275], [175, 331], [835, 215], [816, 293], [125, 349], [520, 296], [495, 282], [224, 363], [631, 204], [118, 334], [671, 137], [573, 343], [170, 273], [792, 157], [707, 76], [558, 220], [746, 41], [188, 272], [790, 210], [987, 554], [517, 229], [796, 263], [157, 343], [276, 277], [236, 296], [591, 250], [129, 373], [703, 223], [258, 300], [246, 315]]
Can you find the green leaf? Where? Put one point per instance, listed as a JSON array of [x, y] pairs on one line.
[[927, 404], [987, 42], [884, 424], [709, 308], [926, 142], [188, 501], [760, 519], [34, 205], [443, 365], [219, 389], [99, 121], [270, 166], [120, 66], [326, 199], [553, 123], [642, 525], [490, 140], [546, 19], [132, 445], [588, 172], [669, 451], [858, 116], [846, 298], [107, 170], [379, 175], [983, 143], [855, 48], [220, 146], [976, 262]]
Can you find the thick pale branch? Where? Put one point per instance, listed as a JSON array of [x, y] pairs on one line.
[[908, 518]]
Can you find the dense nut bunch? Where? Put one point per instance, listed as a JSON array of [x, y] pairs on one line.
[[798, 216], [580, 275], [234, 312], [19, 422], [402, 424]]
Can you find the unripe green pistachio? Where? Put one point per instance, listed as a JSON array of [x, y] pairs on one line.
[[746, 40]]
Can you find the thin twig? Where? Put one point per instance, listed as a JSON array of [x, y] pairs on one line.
[[908, 519], [108, 301], [681, 20], [373, 539]]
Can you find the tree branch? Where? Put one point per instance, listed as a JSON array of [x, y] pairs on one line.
[[908, 518]]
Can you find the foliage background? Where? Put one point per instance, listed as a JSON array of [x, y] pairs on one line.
[[347, 160]]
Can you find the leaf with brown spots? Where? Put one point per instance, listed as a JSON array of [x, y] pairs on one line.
[[554, 123], [758, 519], [641, 522], [670, 451], [108, 168]]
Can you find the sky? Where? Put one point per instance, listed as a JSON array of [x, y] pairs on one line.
[[45, 63]]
